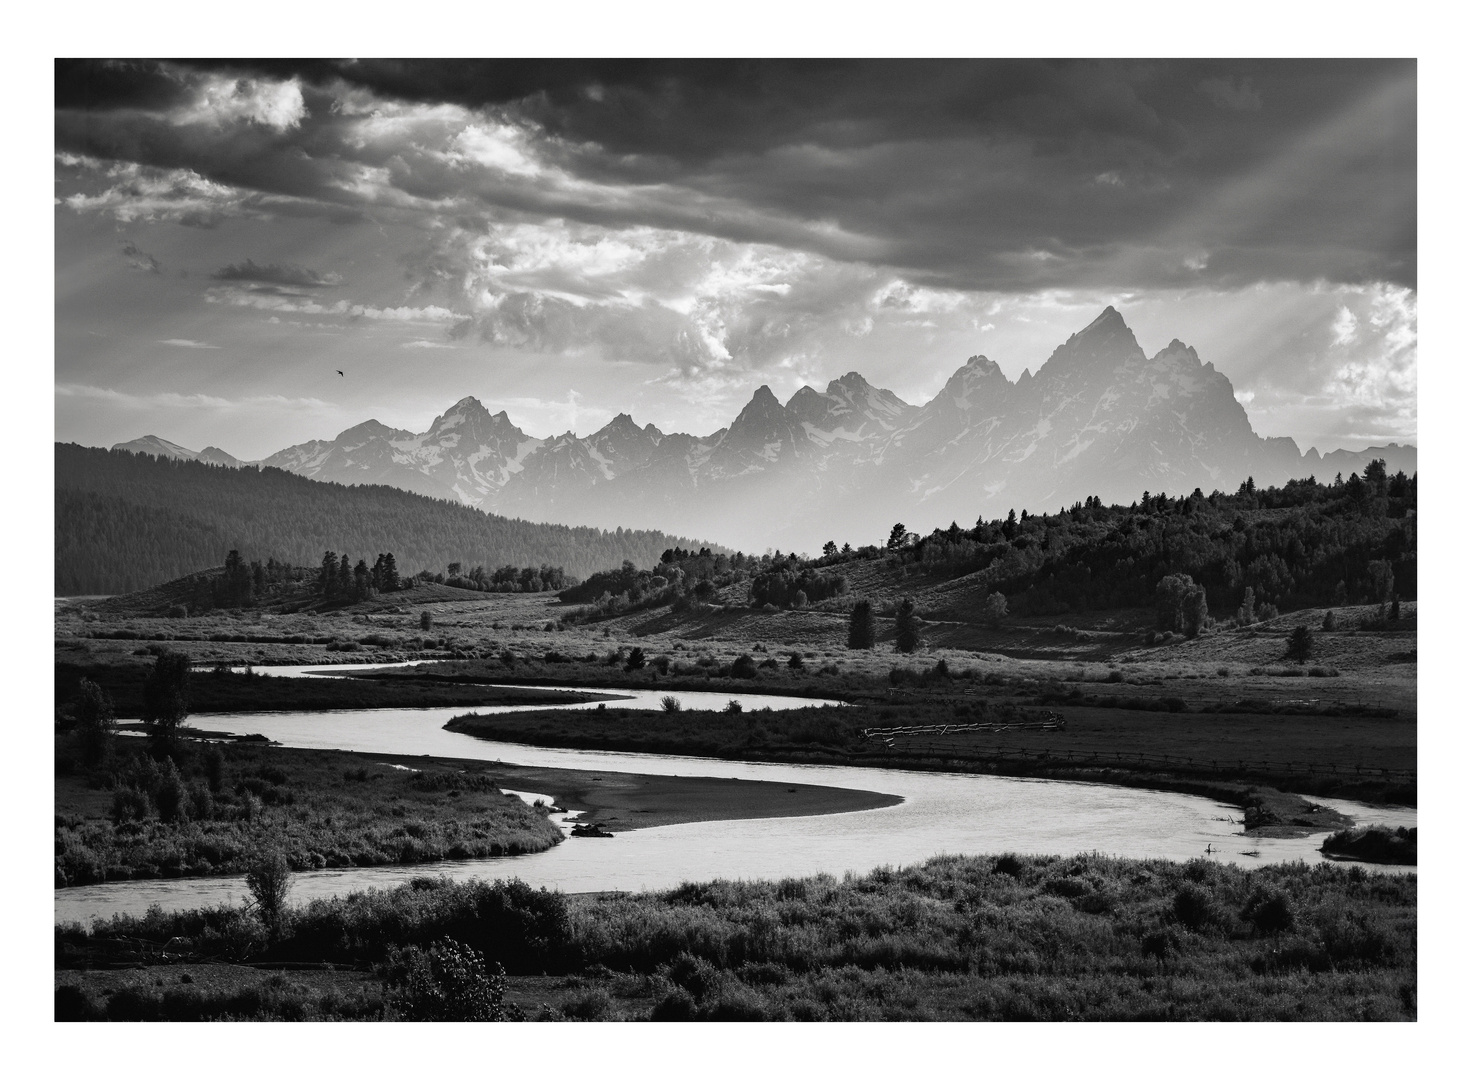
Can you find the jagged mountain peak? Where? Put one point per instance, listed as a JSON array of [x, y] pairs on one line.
[[762, 406], [853, 382], [1098, 418], [1104, 344], [371, 429]]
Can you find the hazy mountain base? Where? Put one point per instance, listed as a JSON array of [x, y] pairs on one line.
[[955, 938], [1100, 417]]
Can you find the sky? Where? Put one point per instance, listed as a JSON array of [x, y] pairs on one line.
[[569, 240]]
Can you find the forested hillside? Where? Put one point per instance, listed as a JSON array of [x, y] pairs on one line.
[[1241, 556], [127, 521], [1304, 544]]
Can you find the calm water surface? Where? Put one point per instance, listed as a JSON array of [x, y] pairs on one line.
[[943, 813]]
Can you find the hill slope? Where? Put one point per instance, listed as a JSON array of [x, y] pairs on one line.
[[128, 521]]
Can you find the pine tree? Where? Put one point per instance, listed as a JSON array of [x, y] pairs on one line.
[[861, 626], [327, 579], [906, 627], [1301, 644]]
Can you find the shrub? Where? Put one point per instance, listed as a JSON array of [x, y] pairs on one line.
[[426, 620], [1269, 912], [269, 880], [178, 611], [669, 703], [1194, 907], [1008, 864], [1330, 620], [447, 981], [171, 797], [733, 706]]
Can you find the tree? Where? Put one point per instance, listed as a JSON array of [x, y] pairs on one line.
[[830, 549], [426, 620], [1247, 613], [362, 581], [344, 577], [896, 539], [906, 627], [236, 585], [1301, 644], [1180, 604], [269, 879], [327, 579], [166, 698], [861, 626], [93, 711], [636, 659], [744, 667], [994, 610], [1382, 580]]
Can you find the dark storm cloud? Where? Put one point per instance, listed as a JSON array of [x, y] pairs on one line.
[[1011, 175], [282, 275]]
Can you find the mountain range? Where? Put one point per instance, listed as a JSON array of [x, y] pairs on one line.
[[1099, 417]]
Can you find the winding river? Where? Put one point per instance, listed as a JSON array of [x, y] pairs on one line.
[[942, 813]]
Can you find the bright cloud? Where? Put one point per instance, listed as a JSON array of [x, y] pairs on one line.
[[222, 100]]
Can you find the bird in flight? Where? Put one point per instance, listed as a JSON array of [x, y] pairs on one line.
[[339, 371]]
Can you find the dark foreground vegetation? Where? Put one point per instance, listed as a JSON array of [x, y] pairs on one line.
[[141, 811], [956, 938]]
